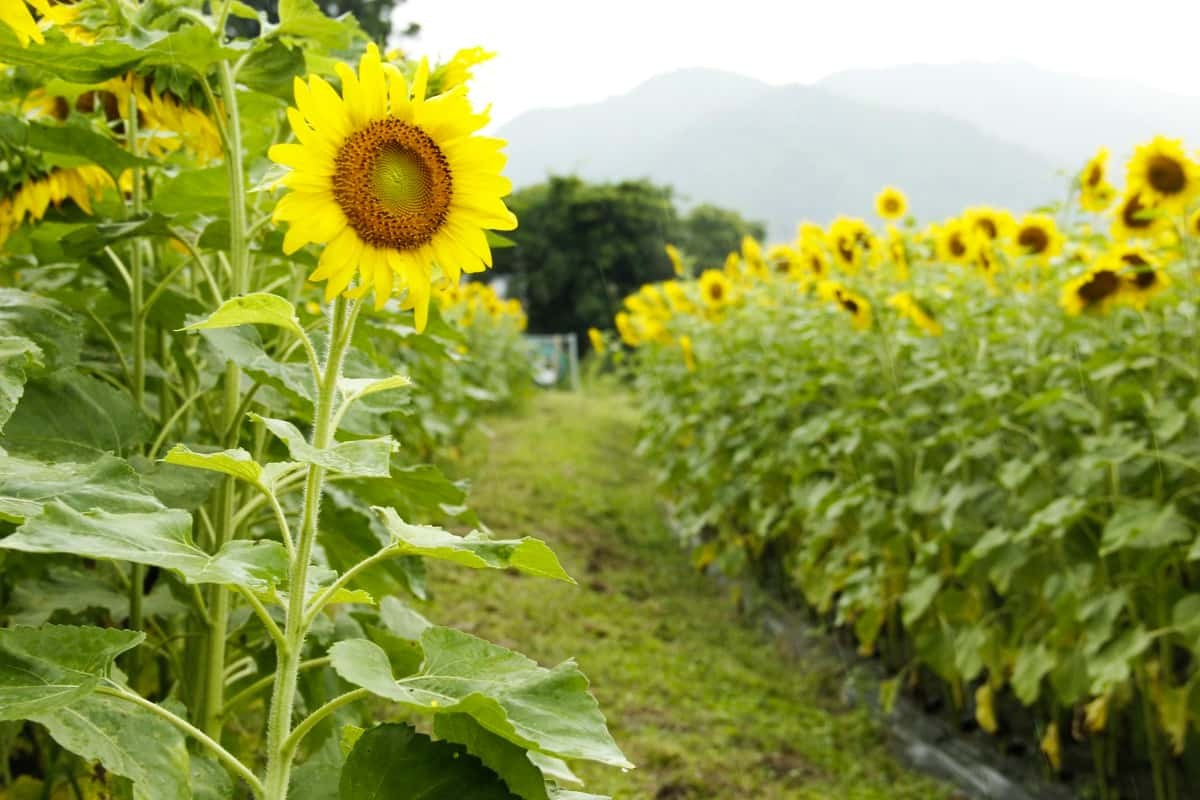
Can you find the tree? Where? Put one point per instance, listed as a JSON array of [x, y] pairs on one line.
[[582, 247], [709, 233]]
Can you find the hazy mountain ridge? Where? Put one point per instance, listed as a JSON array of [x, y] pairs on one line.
[[951, 136]]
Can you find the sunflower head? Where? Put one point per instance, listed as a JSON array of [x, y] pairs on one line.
[[1037, 236], [914, 312], [890, 203], [1142, 276], [1193, 224], [676, 260], [857, 306], [597, 340], [1095, 291], [989, 223], [715, 289], [956, 243], [393, 182], [1094, 173], [628, 332], [1163, 173], [1137, 218]]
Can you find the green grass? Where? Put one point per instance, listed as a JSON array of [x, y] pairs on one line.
[[703, 703]]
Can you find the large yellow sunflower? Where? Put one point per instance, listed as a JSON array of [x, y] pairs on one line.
[[956, 243], [1038, 237], [715, 288], [1094, 291], [890, 203], [1163, 173], [33, 198], [1136, 218], [395, 184]]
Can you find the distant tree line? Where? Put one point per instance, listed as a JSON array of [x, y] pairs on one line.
[[582, 247]]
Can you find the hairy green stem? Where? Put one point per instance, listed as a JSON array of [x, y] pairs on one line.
[[223, 755], [137, 289], [279, 724]]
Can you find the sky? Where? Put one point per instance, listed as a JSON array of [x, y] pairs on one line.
[[554, 53]]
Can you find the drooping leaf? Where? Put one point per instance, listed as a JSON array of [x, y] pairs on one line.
[[74, 144], [474, 550], [107, 483], [47, 668], [236, 463], [243, 347], [75, 590], [259, 308], [67, 60], [126, 740], [302, 22], [364, 458], [18, 356], [194, 191], [394, 762], [91, 238], [158, 539], [544, 709], [271, 68]]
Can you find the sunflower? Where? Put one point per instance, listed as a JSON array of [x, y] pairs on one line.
[[784, 261], [15, 14], [1038, 237], [853, 304], [625, 327], [715, 288], [677, 297], [32, 199], [956, 243], [812, 261], [676, 260], [459, 70], [911, 310], [989, 223], [1141, 274], [752, 254], [392, 182], [852, 243], [1135, 218], [890, 203], [898, 250], [597, 340], [1094, 291], [809, 234], [1163, 173], [168, 122], [1193, 224], [1096, 194]]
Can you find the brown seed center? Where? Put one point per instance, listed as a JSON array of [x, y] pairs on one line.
[[1131, 213], [1166, 175], [1033, 240], [393, 182], [1102, 284]]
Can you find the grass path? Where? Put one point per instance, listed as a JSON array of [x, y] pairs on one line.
[[703, 703]]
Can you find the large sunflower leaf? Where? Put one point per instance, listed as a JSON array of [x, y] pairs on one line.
[[509, 761], [72, 416], [549, 710], [475, 550], [126, 740], [18, 356], [364, 458], [236, 463], [43, 669], [394, 762], [107, 483], [158, 539], [259, 308], [243, 347], [46, 323]]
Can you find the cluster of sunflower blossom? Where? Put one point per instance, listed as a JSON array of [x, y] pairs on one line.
[[469, 303], [1119, 252]]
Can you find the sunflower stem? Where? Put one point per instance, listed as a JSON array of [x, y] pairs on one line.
[[279, 724]]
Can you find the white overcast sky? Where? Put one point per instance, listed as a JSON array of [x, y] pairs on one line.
[[566, 52]]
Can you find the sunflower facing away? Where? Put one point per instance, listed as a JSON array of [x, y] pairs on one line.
[[394, 184], [914, 312], [1135, 217], [1095, 192], [890, 203], [1163, 173], [857, 306]]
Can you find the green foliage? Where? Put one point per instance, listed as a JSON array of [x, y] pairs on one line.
[[582, 247]]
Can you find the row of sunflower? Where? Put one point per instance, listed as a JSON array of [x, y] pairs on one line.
[[974, 444]]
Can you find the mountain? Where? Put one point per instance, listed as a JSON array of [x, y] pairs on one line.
[[777, 153], [1065, 118]]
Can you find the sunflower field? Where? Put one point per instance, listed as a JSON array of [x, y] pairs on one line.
[[234, 339], [973, 446]]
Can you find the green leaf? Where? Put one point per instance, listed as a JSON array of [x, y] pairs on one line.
[[158, 539], [394, 762], [271, 68], [501, 756], [78, 589], [236, 463], [549, 710], [70, 414], [259, 308], [43, 669], [108, 483], [243, 347], [474, 550], [209, 780], [1031, 665], [303, 22], [1144, 524], [1113, 665], [917, 599], [126, 740], [194, 191], [48, 324], [79, 142], [18, 356], [67, 60], [356, 388], [364, 458], [192, 46], [91, 238]]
